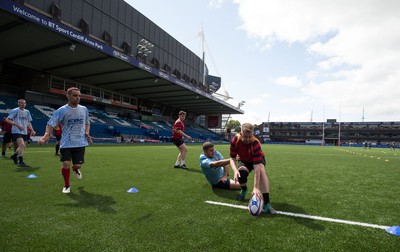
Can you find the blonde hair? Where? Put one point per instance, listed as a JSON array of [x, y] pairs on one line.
[[247, 127]]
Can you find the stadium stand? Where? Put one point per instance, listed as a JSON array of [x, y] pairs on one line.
[[110, 125], [6, 104]]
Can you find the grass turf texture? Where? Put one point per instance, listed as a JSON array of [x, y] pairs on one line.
[[169, 214]]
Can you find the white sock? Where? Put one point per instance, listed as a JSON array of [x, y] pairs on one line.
[[177, 162], [182, 162]]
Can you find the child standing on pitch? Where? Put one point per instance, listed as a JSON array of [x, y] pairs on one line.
[[177, 135]]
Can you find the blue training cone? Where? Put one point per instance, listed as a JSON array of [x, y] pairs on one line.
[[133, 190], [31, 176], [394, 230]]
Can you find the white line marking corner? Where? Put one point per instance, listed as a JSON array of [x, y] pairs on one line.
[[306, 216]]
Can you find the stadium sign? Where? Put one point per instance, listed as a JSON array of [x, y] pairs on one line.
[[145, 67], [120, 55], [39, 19]]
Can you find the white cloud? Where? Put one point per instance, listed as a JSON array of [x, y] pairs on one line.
[[291, 117], [356, 49], [285, 20], [256, 117], [330, 63], [251, 116], [288, 81], [294, 100], [265, 95], [215, 3], [255, 101]]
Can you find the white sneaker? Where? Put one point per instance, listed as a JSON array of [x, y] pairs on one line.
[[66, 189], [78, 173]]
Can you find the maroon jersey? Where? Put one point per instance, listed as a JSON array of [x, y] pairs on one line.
[[250, 153], [6, 127], [178, 125], [58, 130]]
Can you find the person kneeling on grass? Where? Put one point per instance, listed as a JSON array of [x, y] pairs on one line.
[[215, 168], [251, 158]]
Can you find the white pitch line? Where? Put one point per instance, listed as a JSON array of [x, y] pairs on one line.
[[306, 216]]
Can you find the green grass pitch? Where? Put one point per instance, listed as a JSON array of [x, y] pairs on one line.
[[169, 212]]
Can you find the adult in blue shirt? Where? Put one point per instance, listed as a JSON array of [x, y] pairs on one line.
[[20, 119], [75, 137], [215, 168]]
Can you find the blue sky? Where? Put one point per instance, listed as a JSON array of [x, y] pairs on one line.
[[304, 60]]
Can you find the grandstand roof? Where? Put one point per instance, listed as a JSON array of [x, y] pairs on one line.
[[26, 42]]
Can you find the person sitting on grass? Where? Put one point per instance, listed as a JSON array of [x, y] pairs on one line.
[[215, 168]]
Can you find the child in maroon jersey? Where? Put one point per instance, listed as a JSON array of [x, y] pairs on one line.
[[177, 134]]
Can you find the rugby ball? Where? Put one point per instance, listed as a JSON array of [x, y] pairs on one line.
[[255, 205]]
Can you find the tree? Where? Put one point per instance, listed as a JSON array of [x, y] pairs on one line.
[[234, 124]]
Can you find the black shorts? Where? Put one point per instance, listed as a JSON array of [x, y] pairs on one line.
[[223, 185], [177, 141], [16, 136], [58, 137], [77, 155], [250, 166], [7, 138]]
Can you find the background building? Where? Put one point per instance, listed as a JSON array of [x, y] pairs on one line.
[[330, 132]]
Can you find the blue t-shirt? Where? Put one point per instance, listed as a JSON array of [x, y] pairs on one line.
[[73, 122], [21, 117], [212, 174]]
